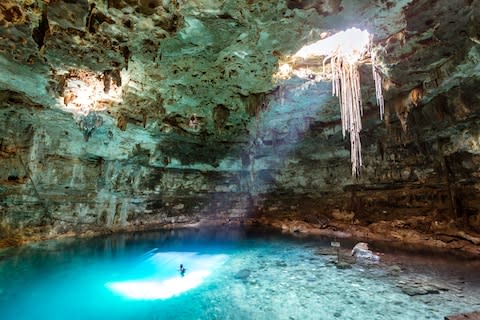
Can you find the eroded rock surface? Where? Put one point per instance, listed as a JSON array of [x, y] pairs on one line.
[[124, 115]]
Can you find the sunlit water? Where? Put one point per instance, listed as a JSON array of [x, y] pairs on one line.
[[230, 274]]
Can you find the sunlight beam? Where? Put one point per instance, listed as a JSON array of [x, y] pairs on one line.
[[157, 277]]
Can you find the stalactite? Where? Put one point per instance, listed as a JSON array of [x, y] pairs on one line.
[[346, 50], [346, 86], [377, 77]]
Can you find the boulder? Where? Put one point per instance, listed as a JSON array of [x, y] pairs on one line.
[[361, 251]]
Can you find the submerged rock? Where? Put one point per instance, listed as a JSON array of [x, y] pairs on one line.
[[242, 274], [343, 265], [418, 289], [280, 264], [414, 286]]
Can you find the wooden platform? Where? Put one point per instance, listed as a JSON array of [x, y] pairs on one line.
[[465, 316]]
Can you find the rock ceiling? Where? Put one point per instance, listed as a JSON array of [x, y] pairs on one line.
[[196, 85], [200, 70], [169, 61]]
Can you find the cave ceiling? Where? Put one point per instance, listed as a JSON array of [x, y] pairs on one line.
[[137, 114], [186, 81]]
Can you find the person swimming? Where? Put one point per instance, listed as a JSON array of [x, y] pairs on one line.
[[182, 270]]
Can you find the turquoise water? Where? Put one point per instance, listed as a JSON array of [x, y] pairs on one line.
[[231, 274]]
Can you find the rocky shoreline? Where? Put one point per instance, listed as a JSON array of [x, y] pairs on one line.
[[455, 241]]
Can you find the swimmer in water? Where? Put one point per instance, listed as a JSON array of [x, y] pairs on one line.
[[182, 270]]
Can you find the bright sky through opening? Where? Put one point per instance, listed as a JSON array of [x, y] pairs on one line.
[[351, 44]]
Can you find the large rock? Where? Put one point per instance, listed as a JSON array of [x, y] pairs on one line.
[[362, 253]]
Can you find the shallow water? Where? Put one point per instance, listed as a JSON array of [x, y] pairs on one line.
[[231, 274]]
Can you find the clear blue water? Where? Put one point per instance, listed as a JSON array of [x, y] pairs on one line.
[[230, 274]]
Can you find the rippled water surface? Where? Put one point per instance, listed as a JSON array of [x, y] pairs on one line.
[[230, 274]]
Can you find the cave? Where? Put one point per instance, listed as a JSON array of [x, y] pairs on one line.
[[274, 149]]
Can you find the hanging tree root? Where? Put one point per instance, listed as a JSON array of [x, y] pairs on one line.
[[48, 215]]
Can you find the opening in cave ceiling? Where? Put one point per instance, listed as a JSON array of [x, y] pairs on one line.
[[346, 50]]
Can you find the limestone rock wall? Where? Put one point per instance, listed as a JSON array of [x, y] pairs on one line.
[[294, 166], [422, 179], [54, 182], [125, 115]]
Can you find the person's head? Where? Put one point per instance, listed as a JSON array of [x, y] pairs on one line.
[[181, 266]]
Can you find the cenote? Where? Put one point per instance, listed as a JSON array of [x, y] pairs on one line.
[[230, 274], [307, 118]]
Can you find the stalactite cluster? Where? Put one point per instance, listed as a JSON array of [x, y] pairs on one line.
[[346, 86]]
